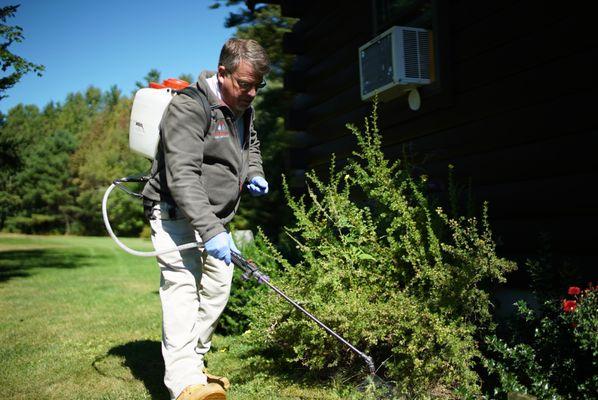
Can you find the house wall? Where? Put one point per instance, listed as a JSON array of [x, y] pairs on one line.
[[513, 110]]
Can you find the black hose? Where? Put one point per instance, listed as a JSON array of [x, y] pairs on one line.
[[128, 179]]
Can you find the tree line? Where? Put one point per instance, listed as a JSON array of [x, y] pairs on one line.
[[55, 162]]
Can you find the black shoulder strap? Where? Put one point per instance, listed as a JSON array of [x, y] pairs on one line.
[[196, 93]]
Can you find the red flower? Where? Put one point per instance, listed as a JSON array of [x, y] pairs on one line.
[[574, 290], [569, 305]]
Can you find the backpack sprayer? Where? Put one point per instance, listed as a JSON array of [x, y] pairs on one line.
[[149, 105]]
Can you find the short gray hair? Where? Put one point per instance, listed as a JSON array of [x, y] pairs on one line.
[[235, 50]]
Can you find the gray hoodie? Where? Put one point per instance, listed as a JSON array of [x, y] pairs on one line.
[[203, 173]]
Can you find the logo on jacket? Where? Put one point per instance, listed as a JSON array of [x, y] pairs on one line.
[[221, 131]]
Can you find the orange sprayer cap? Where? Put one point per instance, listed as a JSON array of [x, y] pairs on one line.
[[176, 84], [155, 85]]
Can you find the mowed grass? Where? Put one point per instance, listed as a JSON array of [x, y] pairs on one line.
[[80, 319]]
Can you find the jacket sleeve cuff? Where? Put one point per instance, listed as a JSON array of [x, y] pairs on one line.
[[209, 234], [253, 174]]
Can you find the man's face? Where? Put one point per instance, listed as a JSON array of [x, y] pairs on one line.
[[239, 88]]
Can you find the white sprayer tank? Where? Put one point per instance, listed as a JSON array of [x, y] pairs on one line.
[[144, 131]]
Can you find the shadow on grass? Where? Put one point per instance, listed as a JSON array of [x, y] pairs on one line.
[[19, 263], [144, 359], [273, 363]]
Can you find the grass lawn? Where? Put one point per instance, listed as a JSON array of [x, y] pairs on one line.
[[80, 319]]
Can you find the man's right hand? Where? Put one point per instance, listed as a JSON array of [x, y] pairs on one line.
[[219, 247]]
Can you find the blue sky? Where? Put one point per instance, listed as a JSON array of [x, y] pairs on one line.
[[108, 42]]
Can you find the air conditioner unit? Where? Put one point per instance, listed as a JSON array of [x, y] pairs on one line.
[[395, 62]]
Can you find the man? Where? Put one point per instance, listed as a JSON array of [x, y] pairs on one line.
[[202, 164]]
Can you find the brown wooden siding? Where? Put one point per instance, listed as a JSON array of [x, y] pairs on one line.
[[515, 110]]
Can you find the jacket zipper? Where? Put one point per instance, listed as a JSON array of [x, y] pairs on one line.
[[241, 147], [246, 137]]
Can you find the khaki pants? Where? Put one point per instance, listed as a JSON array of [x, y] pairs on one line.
[[194, 289]]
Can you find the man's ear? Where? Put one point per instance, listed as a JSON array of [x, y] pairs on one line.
[[221, 73]]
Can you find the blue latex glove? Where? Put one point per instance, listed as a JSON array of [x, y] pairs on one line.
[[219, 247], [258, 186]]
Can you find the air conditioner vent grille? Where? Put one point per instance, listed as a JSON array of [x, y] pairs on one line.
[[411, 57], [417, 54], [424, 54]]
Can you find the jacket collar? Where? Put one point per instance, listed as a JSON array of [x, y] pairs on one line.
[[214, 101]]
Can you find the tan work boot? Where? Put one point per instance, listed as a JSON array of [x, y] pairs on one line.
[[211, 391], [220, 380]]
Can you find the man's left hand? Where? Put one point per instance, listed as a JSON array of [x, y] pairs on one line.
[[258, 186]]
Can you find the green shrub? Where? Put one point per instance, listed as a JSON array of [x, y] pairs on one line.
[[146, 232], [393, 274]]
